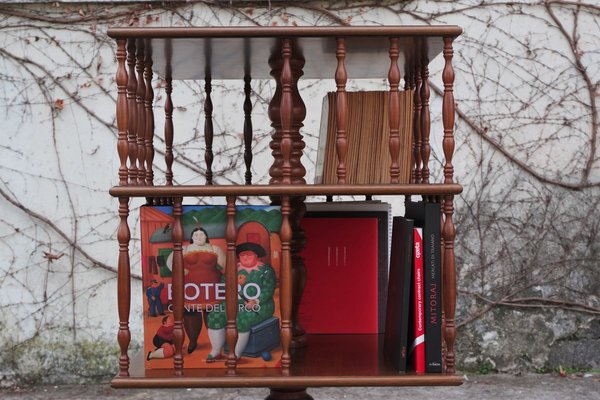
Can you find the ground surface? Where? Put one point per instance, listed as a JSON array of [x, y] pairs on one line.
[[489, 387]]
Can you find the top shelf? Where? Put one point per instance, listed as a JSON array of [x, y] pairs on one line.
[[233, 52]]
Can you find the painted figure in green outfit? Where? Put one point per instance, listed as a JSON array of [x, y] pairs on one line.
[[256, 286]]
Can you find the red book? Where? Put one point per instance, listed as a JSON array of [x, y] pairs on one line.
[[417, 346], [341, 292]]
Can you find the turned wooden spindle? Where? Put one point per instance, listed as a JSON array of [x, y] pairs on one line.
[[141, 112], [394, 111], [425, 118], [132, 109], [169, 131], [285, 289], [148, 102], [341, 111], [208, 130], [178, 282], [286, 112], [123, 286], [409, 84], [448, 230], [122, 117], [231, 287], [417, 118], [248, 129]]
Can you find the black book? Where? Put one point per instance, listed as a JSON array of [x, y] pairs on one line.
[[395, 339], [427, 216]]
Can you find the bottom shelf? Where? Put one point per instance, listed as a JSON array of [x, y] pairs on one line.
[[327, 360]]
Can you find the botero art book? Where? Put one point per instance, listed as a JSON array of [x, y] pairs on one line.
[[258, 260]]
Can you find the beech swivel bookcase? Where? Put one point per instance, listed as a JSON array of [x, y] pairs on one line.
[[284, 54]]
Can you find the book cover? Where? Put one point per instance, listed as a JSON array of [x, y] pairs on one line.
[[395, 339], [416, 351], [365, 209], [258, 260], [341, 292], [427, 216]]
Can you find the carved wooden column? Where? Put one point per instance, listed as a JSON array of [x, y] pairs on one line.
[[394, 111], [168, 119], [448, 230], [417, 116], [177, 281], [341, 110], [285, 295], [148, 100], [132, 108], [296, 170], [123, 234], [248, 129], [141, 112], [208, 130], [231, 287], [425, 117]]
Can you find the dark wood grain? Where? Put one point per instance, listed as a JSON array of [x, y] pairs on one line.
[[327, 360], [425, 118], [394, 111], [231, 286], [286, 112], [417, 116], [123, 286], [208, 130], [148, 102], [122, 117], [248, 129], [132, 110], [448, 230], [177, 281], [341, 110], [140, 98], [285, 280], [169, 132]]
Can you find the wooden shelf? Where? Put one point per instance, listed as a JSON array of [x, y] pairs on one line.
[[327, 360], [285, 190]]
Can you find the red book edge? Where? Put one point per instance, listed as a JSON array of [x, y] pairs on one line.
[[417, 347]]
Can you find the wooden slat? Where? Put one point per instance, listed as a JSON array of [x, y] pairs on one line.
[[286, 285], [448, 230], [231, 287], [178, 290], [248, 129], [425, 119], [208, 130], [122, 117], [281, 190], [286, 111], [341, 111], [132, 109], [394, 111], [141, 112], [148, 102], [296, 31], [124, 286]]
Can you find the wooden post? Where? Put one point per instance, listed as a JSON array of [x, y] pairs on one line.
[[178, 282], [394, 111], [122, 117], [417, 117], [149, 99], [169, 130], [286, 112], [425, 118], [231, 287], [448, 230], [248, 129], [285, 291], [341, 111], [132, 108], [141, 112], [208, 130]]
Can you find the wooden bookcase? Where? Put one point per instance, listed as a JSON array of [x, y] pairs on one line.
[[284, 54]]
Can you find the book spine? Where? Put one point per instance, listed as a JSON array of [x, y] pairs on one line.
[[417, 347], [432, 280]]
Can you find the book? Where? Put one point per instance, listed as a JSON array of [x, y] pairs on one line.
[[258, 261], [416, 350], [365, 209], [368, 157], [341, 291], [395, 339], [427, 216]]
